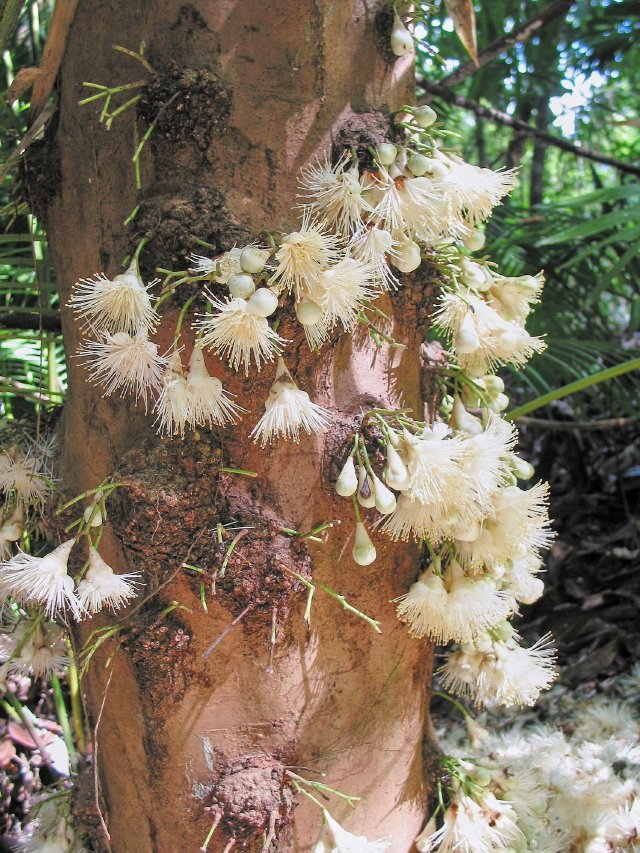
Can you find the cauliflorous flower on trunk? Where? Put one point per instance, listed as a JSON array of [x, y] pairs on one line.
[[373, 246], [482, 340], [288, 410], [172, 405], [22, 475], [468, 606], [42, 580], [11, 529], [125, 363], [513, 297], [433, 460], [121, 304], [518, 524], [472, 825], [472, 192], [302, 256], [486, 454], [238, 334], [207, 401], [334, 193], [44, 650], [102, 587], [219, 269], [343, 289], [501, 671], [335, 839]]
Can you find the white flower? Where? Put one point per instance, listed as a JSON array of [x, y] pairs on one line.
[[506, 673], [124, 363], [484, 463], [482, 340], [432, 521], [44, 651], [407, 204], [335, 194], [513, 297], [42, 580], [22, 474], [604, 717], [467, 607], [288, 410], [302, 256], [219, 269], [237, 334], [373, 246], [207, 401], [518, 523], [433, 461], [121, 304], [342, 291], [335, 839], [172, 405], [101, 586], [473, 192], [473, 827]]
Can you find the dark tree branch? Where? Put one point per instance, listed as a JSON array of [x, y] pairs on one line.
[[30, 320], [440, 91], [522, 33], [568, 426]]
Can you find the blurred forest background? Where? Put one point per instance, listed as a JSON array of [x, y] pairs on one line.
[[555, 94]]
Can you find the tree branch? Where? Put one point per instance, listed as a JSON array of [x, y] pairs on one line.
[[522, 33], [440, 91], [30, 320]]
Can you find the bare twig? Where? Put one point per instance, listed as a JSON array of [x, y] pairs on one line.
[[231, 624], [499, 117], [583, 426]]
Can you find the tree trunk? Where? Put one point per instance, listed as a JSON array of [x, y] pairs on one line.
[[253, 91]]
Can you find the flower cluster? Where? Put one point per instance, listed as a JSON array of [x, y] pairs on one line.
[[536, 788], [46, 582]]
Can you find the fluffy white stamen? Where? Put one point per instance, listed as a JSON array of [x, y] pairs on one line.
[[44, 651], [343, 290], [42, 580], [335, 194], [124, 363], [239, 335], [208, 402], [288, 410], [172, 405], [102, 587], [302, 256], [121, 304]]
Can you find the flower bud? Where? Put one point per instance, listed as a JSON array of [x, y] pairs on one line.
[[384, 497], [504, 630], [401, 38], [493, 384], [482, 776], [395, 472], [364, 552], [366, 497], [241, 286], [418, 164], [308, 312], [386, 153], [252, 259], [472, 274], [461, 419], [499, 403], [347, 481], [466, 339], [425, 116], [474, 240], [522, 469], [424, 842], [263, 302]]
